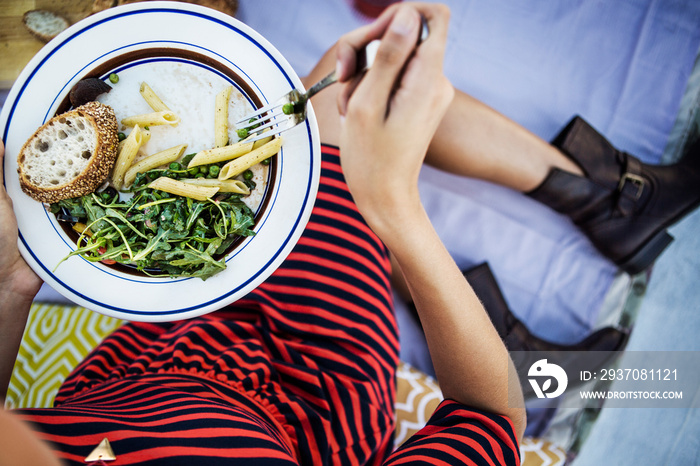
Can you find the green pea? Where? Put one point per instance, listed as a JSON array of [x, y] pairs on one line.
[[204, 169], [193, 171], [121, 136], [175, 166], [248, 175], [288, 108], [114, 78], [214, 171], [266, 161], [242, 133]]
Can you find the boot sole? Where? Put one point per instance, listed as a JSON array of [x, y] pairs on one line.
[[642, 259]]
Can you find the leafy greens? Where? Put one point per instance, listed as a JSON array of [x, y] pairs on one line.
[[157, 233]]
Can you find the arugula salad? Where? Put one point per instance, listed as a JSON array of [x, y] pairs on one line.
[[156, 233]]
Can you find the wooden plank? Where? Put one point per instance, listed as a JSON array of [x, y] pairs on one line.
[[16, 7], [14, 56], [72, 10], [17, 45]]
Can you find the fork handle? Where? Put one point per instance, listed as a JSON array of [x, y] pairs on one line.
[[331, 78]]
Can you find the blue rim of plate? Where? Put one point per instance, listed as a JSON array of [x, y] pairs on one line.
[[264, 270]]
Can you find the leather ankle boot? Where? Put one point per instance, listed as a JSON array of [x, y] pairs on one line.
[[591, 353], [623, 205]]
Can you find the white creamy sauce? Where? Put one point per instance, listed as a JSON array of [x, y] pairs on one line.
[[189, 91]]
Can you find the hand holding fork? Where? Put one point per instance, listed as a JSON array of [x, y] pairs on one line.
[[290, 110]]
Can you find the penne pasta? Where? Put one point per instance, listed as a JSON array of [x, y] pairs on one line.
[[165, 117], [126, 156], [145, 137], [225, 186], [221, 154], [152, 161], [241, 164], [152, 98], [179, 188], [221, 117], [263, 141]]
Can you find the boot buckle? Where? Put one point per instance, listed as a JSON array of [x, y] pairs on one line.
[[636, 181]]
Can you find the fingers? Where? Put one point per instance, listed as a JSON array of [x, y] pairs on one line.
[[2, 160], [350, 44], [3, 193], [397, 44], [433, 48], [398, 28], [4, 197], [345, 93], [424, 72]]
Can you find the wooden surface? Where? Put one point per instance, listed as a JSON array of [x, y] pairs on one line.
[[17, 45]]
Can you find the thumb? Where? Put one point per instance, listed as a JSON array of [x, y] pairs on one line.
[[2, 160]]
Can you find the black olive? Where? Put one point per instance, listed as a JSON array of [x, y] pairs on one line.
[[87, 90], [111, 192]]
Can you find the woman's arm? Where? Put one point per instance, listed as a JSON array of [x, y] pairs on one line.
[[388, 121], [19, 445], [18, 286]]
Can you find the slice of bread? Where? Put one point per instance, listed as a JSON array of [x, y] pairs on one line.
[[70, 155], [44, 24]]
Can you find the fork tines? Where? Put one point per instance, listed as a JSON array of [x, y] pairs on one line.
[[273, 127], [258, 113], [265, 122], [262, 133]]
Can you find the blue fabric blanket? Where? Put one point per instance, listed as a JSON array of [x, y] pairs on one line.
[[622, 65]]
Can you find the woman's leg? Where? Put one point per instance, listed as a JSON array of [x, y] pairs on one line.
[[476, 141], [473, 139], [623, 205]]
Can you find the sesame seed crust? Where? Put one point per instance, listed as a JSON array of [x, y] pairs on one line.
[[104, 121]]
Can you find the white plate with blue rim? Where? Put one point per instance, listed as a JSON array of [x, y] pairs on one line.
[[186, 53]]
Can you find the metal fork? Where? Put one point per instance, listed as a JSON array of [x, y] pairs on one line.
[[290, 110]]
